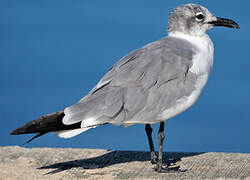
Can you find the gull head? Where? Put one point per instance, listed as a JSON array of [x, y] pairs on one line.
[[195, 20]]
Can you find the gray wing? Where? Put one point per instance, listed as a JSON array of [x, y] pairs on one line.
[[137, 88]]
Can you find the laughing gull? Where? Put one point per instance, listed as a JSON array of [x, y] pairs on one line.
[[147, 86]]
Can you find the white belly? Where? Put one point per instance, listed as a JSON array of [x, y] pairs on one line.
[[185, 102]]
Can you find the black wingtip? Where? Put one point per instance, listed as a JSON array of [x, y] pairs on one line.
[[36, 136], [17, 131]]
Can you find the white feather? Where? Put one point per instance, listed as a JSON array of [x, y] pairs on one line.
[[88, 122], [71, 133], [67, 118]]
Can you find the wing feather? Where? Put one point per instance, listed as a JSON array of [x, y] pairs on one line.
[[133, 87]]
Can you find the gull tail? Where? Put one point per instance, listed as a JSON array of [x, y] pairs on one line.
[[49, 123]]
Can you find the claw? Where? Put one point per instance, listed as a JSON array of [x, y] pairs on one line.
[[167, 169]]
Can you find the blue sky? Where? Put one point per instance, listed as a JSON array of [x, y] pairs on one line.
[[54, 52]]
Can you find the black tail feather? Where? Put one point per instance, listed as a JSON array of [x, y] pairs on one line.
[[48, 123]]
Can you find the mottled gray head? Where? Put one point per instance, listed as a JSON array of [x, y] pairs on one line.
[[195, 20]]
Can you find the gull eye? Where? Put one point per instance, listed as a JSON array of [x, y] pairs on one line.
[[199, 16]]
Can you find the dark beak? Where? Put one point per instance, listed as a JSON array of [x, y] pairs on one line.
[[224, 22]]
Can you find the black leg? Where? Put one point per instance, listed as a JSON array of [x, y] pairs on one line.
[[151, 145], [159, 167], [160, 141]]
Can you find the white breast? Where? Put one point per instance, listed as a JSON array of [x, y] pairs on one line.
[[204, 57], [202, 64]]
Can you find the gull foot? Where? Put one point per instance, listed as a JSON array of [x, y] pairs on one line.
[[171, 162], [167, 169], [154, 159]]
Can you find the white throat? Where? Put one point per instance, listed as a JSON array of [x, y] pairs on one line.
[[204, 57]]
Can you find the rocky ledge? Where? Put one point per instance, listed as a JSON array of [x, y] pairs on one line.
[[64, 163]]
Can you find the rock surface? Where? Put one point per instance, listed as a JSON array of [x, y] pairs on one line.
[[61, 163]]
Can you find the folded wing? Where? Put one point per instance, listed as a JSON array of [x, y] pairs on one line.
[[133, 88]]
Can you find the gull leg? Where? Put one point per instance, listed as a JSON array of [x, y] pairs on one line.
[[159, 167], [160, 142], [151, 145]]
